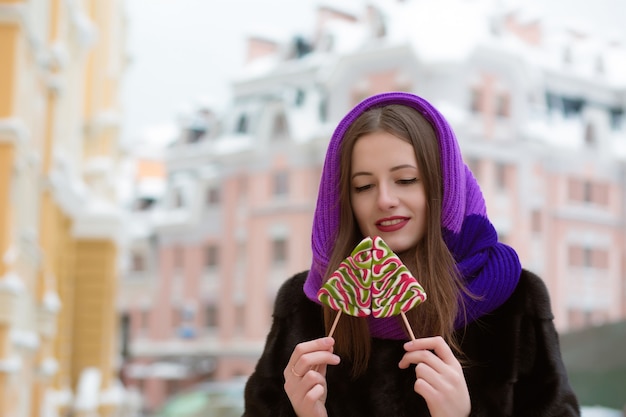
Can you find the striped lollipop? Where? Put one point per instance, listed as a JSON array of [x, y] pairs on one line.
[[372, 280], [349, 288], [395, 290]]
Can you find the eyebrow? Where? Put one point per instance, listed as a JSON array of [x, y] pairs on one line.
[[396, 168]]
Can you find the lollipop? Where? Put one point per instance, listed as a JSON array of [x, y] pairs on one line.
[[372, 280], [349, 288]]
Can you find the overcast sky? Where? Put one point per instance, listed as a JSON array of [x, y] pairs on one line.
[[183, 52]]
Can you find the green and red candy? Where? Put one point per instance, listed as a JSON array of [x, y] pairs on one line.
[[372, 280]]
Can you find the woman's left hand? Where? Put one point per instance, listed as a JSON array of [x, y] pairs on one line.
[[439, 376]]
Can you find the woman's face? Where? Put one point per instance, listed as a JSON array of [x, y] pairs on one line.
[[387, 194]]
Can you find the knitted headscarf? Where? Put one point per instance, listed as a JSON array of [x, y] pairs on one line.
[[490, 269]]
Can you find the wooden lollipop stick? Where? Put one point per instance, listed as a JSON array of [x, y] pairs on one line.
[[330, 334], [334, 326], [408, 326]]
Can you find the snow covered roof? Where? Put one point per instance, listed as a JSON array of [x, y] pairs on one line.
[[447, 31], [436, 33]]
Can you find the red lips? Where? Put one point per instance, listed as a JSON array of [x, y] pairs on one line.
[[391, 224]]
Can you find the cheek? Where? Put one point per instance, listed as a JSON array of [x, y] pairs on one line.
[[359, 210]]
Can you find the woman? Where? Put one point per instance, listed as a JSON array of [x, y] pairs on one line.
[[485, 341]]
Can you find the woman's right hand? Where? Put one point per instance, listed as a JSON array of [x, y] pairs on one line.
[[305, 376]]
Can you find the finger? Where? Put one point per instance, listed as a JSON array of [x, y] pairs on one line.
[[323, 343], [439, 391], [304, 384], [426, 390], [315, 393], [431, 377], [313, 361], [305, 391], [436, 344], [318, 362], [305, 356], [443, 379], [316, 345], [421, 356]]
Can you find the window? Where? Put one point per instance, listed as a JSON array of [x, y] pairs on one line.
[[535, 221], [300, 96], [279, 250], [212, 254], [144, 319], [125, 335], [213, 196], [586, 191], [138, 262], [302, 47], [572, 106], [186, 315], [600, 194], [210, 315], [474, 165], [242, 183], [475, 100], [279, 130], [600, 258], [617, 118], [177, 318], [575, 189], [178, 199], [503, 103], [323, 109], [552, 102], [242, 124], [569, 107], [501, 177], [145, 203], [588, 257], [178, 255], [590, 134], [240, 317], [281, 183], [575, 255], [241, 254], [195, 133]]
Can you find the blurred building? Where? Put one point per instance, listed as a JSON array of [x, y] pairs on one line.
[[538, 110], [60, 225]]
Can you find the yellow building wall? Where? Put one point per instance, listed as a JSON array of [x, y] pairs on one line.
[[8, 43], [80, 270], [95, 324], [64, 267], [6, 165], [94, 277]]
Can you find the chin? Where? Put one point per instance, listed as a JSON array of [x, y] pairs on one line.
[[399, 247], [400, 244]]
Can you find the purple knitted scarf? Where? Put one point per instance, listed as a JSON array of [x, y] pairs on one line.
[[491, 269]]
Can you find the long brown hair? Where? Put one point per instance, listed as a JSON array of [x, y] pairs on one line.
[[431, 261]]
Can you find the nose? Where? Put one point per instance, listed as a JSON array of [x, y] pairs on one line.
[[387, 199]]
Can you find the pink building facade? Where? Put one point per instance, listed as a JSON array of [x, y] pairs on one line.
[[544, 133]]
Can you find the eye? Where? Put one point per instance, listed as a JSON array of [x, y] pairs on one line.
[[408, 181], [362, 188]]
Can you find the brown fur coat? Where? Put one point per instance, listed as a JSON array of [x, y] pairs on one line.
[[514, 365]]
